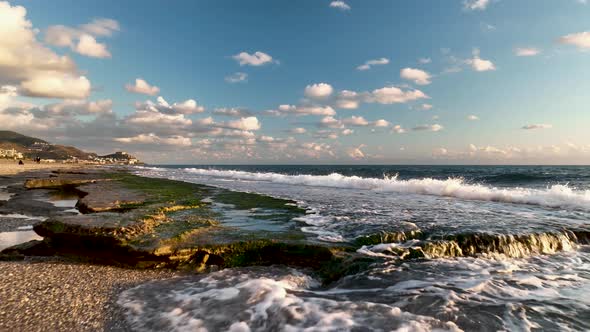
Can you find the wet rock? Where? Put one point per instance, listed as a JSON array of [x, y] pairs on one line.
[[55, 182]]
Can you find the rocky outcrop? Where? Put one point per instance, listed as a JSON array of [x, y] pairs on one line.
[[55, 182]]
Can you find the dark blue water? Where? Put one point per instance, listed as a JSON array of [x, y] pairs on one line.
[[503, 176]]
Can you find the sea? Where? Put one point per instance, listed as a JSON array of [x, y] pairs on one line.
[[503, 248]]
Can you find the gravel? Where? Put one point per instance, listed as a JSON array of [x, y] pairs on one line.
[[55, 295]]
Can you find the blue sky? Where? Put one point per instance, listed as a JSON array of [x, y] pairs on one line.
[[477, 81]]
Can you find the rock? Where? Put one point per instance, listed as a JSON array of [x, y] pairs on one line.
[[31, 248], [55, 182], [108, 196]]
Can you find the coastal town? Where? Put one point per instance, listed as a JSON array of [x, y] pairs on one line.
[[18, 147]]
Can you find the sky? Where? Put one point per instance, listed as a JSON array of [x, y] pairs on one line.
[[302, 82]]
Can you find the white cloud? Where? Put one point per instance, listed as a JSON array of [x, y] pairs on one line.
[[347, 100], [152, 138], [143, 87], [537, 126], [30, 66], [189, 106], [475, 4], [88, 46], [376, 62], [54, 85], [302, 110], [381, 123], [526, 51], [79, 107], [472, 117], [425, 107], [394, 95], [440, 152], [236, 77], [256, 59], [340, 5], [479, 64], [233, 112], [424, 60], [580, 39], [101, 27], [346, 132], [432, 127], [298, 131], [318, 91], [398, 129], [247, 124], [418, 76], [355, 121], [357, 153], [82, 39], [331, 122]]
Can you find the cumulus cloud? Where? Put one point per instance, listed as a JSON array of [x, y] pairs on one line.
[[236, 77], [256, 59], [318, 91], [80, 107], [151, 138], [417, 76], [526, 51], [475, 4], [284, 110], [298, 131], [233, 112], [381, 123], [580, 39], [479, 64], [537, 126], [340, 5], [472, 117], [142, 87], [395, 95], [54, 85], [427, 127], [424, 60], [246, 124], [355, 121], [356, 152], [189, 106], [376, 62], [347, 99], [398, 129], [82, 39], [34, 69]]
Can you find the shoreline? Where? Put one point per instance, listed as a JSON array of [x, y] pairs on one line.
[[57, 293], [11, 167]]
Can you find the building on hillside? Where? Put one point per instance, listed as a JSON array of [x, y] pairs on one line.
[[12, 153]]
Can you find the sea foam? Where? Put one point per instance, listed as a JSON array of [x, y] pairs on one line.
[[553, 196]]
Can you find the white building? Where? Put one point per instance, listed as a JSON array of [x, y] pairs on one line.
[[12, 153]]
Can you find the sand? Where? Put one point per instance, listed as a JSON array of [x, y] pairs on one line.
[[11, 167]]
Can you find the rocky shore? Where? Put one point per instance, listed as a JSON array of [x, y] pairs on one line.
[[125, 230]]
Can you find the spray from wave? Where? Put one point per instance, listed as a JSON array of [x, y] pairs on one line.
[[554, 196]]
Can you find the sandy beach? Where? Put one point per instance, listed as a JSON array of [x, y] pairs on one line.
[[11, 167]]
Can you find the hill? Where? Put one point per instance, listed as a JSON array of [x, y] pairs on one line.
[[33, 147]]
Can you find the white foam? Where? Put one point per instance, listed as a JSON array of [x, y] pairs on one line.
[[554, 196], [21, 216]]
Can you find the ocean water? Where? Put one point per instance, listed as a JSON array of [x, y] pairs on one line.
[[501, 248]]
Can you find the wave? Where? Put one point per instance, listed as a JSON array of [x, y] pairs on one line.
[[554, 196]]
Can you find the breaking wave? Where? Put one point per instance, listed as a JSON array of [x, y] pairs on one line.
[[553, 196]]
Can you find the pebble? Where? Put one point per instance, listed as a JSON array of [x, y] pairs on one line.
[[56, 295]]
